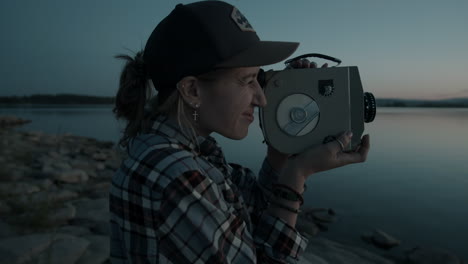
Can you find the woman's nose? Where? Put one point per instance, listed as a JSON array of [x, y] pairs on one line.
[[259, 97]]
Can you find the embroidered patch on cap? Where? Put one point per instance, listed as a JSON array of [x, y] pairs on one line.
[[241, 21]]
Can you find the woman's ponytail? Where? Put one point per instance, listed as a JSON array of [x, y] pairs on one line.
[[132, 96]]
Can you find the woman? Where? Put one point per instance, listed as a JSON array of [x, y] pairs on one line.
[[175, 199]]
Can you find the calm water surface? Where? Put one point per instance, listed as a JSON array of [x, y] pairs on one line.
[[414, 184]]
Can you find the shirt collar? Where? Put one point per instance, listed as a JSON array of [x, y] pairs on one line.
[[207, 146]]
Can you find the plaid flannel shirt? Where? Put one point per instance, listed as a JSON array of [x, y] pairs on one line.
[[170, 203]]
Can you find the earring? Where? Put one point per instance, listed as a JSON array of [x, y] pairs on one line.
[[195, 113]]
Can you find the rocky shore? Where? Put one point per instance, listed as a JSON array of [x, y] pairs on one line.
[[54, 206]]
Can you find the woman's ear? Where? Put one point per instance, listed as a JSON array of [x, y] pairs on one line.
[[189, 90]]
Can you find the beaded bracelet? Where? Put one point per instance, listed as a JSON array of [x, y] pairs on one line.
[[288, 195], [282, 206]]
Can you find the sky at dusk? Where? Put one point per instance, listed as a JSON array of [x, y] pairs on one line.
[[404, 49]]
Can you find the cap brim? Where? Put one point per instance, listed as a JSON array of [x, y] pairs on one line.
[[260, 54]]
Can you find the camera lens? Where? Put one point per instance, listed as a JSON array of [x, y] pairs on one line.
[[370, 107]]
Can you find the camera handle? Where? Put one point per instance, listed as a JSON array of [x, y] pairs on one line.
[[316, 55]]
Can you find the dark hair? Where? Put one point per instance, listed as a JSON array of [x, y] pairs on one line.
[[132, 96]]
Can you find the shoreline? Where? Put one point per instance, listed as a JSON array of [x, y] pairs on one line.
[[53, 195]]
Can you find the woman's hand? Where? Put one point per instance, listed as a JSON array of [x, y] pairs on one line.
[[304, 63], [328, 156]]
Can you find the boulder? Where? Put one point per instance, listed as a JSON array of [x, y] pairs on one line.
[[99, 156], [62, 215], [97, 252], [337, 253], [49, 196], [421, 255], [381, 239], [4, 207], [95, 210], [6, 230], [65, 249], [17, 188], [9, 121], [74, 230], [72, 176], [323, 217], [24, 248], [307, 227]]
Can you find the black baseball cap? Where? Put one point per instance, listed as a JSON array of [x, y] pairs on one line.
[[199, 37]]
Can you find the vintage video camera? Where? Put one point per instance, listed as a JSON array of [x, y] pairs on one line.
[[310, 106]]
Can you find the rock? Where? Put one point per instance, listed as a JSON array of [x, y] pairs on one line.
[[105, 174], [65, 249], [323, 217], [431, 256], [23, 248], [100, 166], [6, 230], [9, 173], [94, 210], [101, 228], [336, 253], [46, 171], [87, 166], [72, 176], [101, 186], [78, 163], [99, 156], [74, 230], [48, 196], [77, 188], [97, 252], [113, 163], [44, 184], [62, 215], [322, 227], [63, 166], [99, 190], [17, 188], [4, 207], [9, 121], [54, 155], [64, 151], [309, 258], [306, 226], [64, 195], [381, 240]]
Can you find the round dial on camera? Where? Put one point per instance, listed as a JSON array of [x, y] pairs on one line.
[[297, 115]]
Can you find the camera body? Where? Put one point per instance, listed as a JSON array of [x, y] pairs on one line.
[[310, 106]]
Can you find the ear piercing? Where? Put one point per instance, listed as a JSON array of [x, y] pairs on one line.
[[195, 113]]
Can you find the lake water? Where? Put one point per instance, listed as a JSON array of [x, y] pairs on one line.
[[414, 184]]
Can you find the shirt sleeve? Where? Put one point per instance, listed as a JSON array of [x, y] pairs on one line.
[[272, 235]]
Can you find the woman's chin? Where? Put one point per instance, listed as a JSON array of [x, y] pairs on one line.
[[236, 134]]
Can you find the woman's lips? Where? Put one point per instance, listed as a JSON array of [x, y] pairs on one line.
[[249, 116]]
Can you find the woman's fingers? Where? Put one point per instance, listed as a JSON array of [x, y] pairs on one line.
[[344, 140], [359, 155], [304, 63]]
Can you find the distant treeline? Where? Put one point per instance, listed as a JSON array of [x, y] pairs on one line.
[[56, 99], [456, 102], [65, 99]]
